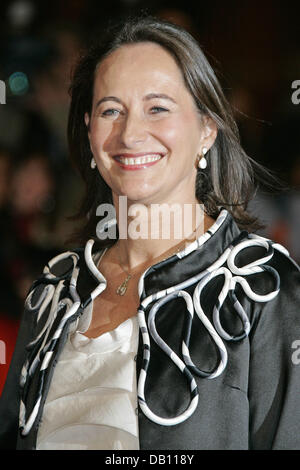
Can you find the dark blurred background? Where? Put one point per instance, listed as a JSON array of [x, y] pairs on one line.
[[254, 48]]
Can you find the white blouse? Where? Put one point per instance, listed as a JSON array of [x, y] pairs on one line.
[[92, 400]]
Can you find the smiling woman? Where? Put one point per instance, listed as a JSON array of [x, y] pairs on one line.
[[156, 342], [229, 180], [142, 109]]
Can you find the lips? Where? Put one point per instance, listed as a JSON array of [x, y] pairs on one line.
[[138, 160]]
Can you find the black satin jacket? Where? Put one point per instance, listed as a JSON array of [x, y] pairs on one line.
[[253, 404]]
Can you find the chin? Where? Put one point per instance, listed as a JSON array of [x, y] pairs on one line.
[[138, 195], [138, 198]]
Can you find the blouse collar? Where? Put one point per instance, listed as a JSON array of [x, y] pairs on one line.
[[196, 257]]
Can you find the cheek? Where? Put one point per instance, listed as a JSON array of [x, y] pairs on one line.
[[180, 136], [99, 139], [170, 133]]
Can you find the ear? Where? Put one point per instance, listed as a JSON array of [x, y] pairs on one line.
[[209, 133], [87, 122]]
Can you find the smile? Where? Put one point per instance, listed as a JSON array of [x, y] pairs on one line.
[[135, 162]]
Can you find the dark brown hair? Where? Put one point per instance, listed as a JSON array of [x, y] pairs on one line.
[[229, 179]]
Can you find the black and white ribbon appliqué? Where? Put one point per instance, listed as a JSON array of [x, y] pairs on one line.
[[232, 276], [42, 349], [60, 297]]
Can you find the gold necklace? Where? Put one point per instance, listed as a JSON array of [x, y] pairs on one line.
[[121, 290]]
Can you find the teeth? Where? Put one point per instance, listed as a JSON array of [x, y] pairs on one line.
[[139, 160]]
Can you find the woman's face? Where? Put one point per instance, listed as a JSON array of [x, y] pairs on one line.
[[145, 131]]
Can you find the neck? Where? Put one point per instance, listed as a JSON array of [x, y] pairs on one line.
[[157, 230]]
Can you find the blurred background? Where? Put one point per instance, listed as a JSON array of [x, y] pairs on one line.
[[254, 48]]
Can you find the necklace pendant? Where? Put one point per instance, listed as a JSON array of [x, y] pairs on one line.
[[123, 287]]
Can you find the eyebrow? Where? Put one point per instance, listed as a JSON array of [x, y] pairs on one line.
[[151, 96], [148, 97]]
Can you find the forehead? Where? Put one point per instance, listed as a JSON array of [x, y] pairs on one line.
[[137, 66]]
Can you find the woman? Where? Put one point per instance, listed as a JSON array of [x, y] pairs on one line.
[[155, 342]]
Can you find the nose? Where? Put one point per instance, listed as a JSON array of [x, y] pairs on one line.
[[133, 130]]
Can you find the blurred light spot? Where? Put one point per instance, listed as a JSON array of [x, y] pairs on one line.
[[21, 13], [18, 83]]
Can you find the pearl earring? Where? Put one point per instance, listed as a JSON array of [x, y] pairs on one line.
[[202, 164], [93, 163]]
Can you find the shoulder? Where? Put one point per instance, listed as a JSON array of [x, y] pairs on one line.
[[70, 275], [63, 262], [279, 265], [46, 291], [253, 254], [58, 268], [273, 277], [267, 275]]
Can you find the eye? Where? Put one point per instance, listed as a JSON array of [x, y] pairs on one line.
[[110, 112], [158, 109]]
